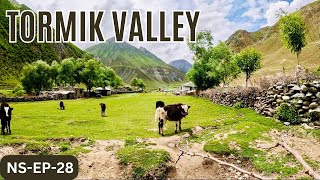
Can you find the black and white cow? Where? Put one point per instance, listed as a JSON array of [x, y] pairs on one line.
[[5, 116], [174, 112]]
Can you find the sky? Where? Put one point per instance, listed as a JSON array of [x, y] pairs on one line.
[[221, 17]]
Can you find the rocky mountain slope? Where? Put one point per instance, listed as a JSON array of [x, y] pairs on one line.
[[130, 62], [181, 64]]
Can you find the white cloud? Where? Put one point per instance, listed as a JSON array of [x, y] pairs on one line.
[[215, 16], [273, 11]]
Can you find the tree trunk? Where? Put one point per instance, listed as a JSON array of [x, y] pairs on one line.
[[247, 78]]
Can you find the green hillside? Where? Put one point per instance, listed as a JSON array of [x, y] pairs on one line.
[[14, 56], [130, 62], [275, 56]]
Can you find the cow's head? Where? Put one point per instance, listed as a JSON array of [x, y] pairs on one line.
[[184, 109]]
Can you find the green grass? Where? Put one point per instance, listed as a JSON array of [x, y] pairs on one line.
[[143, 160], [131, 116]]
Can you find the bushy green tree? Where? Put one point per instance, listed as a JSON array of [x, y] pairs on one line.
[[213, 64], [66, 71], [248, 61], [90, 74], [224, 63], [54, 70], [108, 77], [36, 77], [138, 83], [292, 29]]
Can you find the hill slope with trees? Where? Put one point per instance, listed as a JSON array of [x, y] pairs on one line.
[[14, 56], [276, 57]]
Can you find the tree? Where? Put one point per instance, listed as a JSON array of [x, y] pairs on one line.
[[66, 71], [90, 74], [108, 77], [248, 60], [138, 83], [54, 72], [292, 29], [36, 77], [224, 63]]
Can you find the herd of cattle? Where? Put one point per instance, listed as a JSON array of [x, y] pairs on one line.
[[174, 112]]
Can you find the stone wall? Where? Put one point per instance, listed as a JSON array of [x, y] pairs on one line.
[[305, 97]]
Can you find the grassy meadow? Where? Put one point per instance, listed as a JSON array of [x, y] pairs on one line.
[[131, 116], [128, 116]]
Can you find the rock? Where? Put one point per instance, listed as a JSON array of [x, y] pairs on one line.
[[305, 107], [313, 105], [197, 129], [186, 135], [315, 112], [305, 120], [311, 124], [309, 95], [318, 95], [305, 126], [286, 123], [298, 95], [304, 88], [313, 90], [279, 101], [300, 102], [285, 98], [296, 88], [316, 123], [306, 103]]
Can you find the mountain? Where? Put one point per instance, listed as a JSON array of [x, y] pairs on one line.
[[13, 57], [277, 58], [130, 62], [181, 64]]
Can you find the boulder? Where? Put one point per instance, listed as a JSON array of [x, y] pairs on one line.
[[296, 88], [285, 98], [298, 95], [313, 90], [309, 95], [304, 88], [305, 107], [286, 123], [318, 95]]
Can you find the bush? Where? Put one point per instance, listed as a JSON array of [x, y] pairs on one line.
[[20, 93], [239, 105], [288, 113], [17, 88]]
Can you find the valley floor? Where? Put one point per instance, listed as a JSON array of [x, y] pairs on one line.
[[106, 147]]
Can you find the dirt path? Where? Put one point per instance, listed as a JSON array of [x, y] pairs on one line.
[[101, 162]]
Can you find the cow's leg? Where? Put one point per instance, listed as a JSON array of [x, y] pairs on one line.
[[180, 124], [160, 124], [176, 127], [9, 127]]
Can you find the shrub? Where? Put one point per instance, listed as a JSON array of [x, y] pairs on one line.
[[239, 105], [20, 93], [17, 88], [288, 113]]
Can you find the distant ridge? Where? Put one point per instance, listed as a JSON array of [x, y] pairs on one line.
[[181, 64], [130, 62]]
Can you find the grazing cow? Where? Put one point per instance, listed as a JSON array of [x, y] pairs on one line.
[[103, 109], [174, 112], [5, 116], [62, 105]]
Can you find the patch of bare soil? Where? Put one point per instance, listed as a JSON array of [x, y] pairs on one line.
[[306, 145], [101, 162]]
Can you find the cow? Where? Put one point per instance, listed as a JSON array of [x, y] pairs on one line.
[[103, 109], [174, 112], [5, 116], [62, 107]]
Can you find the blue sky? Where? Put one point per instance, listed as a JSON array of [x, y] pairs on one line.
[[221, 17]]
